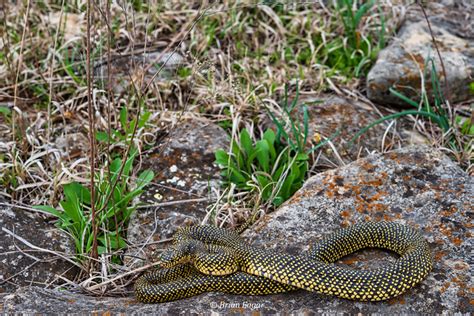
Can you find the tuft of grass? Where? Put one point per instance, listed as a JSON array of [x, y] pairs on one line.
[[360, 51], [275, 166]]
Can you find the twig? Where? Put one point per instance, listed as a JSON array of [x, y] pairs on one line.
[[90, 112], [121, 276]]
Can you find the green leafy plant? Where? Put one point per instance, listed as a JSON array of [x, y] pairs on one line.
[[127, 127], [263, 164], [113, 204], [277, 163]]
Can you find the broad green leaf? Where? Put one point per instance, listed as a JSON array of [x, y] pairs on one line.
[[145, 178], [144, 118], [5, 110], [250, 160], [115, 166], [222, 158], [129, 163], [237, 154], [130, 129], [277, 201], [236, 176], [101, 250], [48, 209], [124, 117], [70, 209], [263, 155], [263, 183], [286, 187], [246, 142], [102, 136], [302, 157], [276, 176], [269, 135]]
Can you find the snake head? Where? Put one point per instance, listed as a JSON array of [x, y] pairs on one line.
[[180, 253]]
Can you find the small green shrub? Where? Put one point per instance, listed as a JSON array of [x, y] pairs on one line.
[[263, 164], [113, 206]]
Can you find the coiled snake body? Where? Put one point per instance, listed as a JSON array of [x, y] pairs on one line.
[[223, 262]]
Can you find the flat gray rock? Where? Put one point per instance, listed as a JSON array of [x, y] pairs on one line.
[[184, 175], [21, 265], [401, 63], [416, 186]]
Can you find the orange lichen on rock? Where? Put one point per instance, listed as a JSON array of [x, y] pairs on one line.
[[397, 300], [448, 212], [457, 241], [345, 214], [445, 286], [440, 254]]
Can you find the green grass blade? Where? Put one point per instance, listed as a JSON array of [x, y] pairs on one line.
[[394, 116], [403, 97]]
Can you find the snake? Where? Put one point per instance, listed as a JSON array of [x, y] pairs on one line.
[[212, 259]]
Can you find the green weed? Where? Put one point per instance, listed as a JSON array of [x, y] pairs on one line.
[[114, 209], [261, 164], [361, 49]]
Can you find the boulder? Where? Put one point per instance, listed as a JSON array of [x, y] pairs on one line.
[[417, 186], [401, 64]]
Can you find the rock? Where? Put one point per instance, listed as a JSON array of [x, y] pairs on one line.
[[139, 67], [21, 265], [416, 186], [72, 145], [342, 118], [185, 174], [400, 64]]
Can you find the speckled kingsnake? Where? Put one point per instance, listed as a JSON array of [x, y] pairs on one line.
[[265, 271]]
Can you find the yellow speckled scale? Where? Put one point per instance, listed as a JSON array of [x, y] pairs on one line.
[[265, 272]]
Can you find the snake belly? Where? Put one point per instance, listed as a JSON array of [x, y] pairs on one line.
[[265, 271]]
